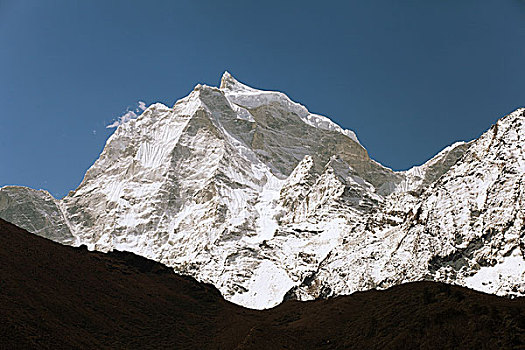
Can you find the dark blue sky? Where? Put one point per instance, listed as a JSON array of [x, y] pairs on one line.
[[409, 77]]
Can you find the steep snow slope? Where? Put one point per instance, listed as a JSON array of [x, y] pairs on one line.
[[246, 189]]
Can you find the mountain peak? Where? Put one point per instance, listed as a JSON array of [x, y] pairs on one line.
[[228, 82]]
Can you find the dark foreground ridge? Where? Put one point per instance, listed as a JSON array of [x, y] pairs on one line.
[[55, 297]]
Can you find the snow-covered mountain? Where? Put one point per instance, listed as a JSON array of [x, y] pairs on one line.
[[246, 189]]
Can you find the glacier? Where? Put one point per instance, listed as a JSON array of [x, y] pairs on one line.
[[246, 189]]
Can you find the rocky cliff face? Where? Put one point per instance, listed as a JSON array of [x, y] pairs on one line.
[[247, 190]]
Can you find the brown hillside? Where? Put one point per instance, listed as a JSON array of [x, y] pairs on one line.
[[59, 297]]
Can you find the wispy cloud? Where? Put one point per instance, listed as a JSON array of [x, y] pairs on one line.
[[126, 117], [130, 114]]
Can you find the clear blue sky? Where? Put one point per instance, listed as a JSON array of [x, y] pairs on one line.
[[409, 77]]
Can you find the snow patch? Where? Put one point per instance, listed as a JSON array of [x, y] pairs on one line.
[[488, 279], [268, 286]]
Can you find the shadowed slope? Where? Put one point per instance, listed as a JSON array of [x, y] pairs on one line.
[[53, 296]]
